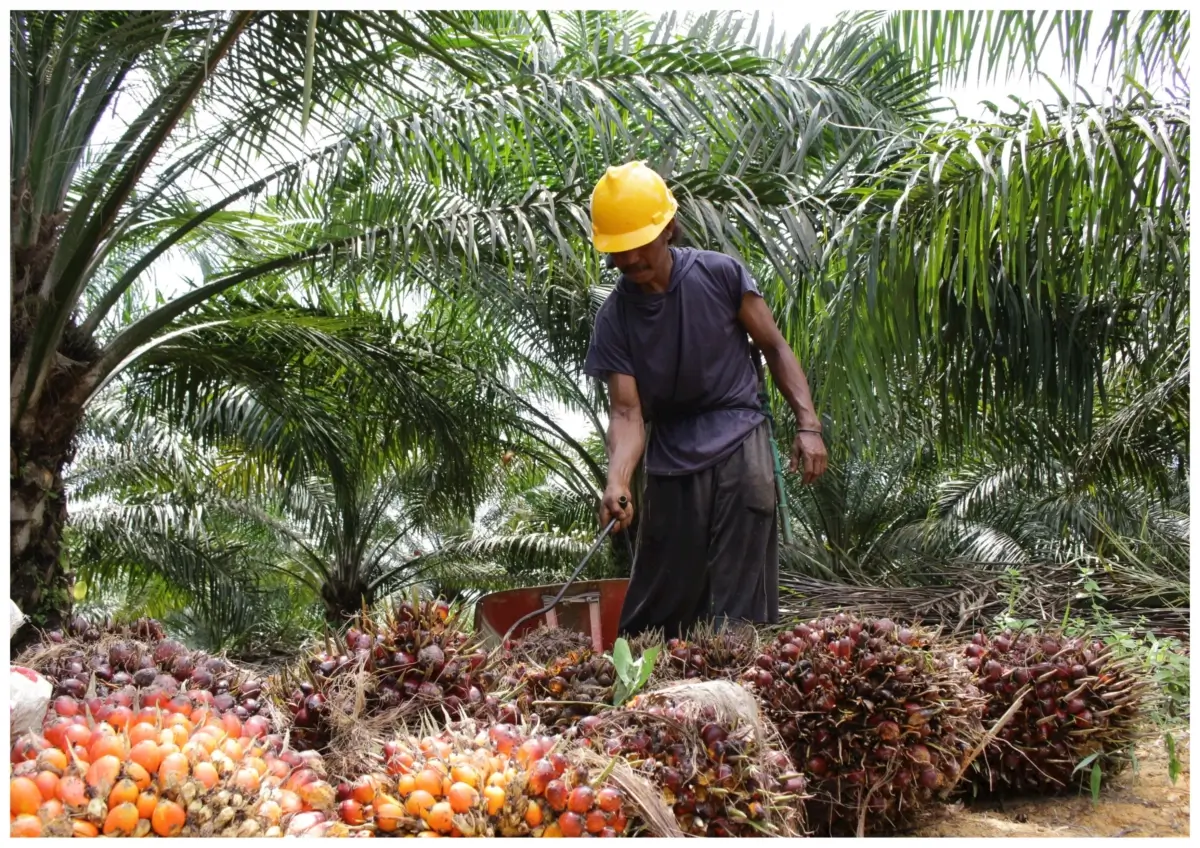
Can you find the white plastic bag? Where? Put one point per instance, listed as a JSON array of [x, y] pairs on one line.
[[15, 617], [30, 698]]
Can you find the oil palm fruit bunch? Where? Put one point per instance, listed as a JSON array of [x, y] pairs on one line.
[[561, 692], [706, 750], [190, 773], [709, 654], [1078, 700], [416, 656], [119, 670], [541, 646], [92, 630], [475, 780], [876, 722]]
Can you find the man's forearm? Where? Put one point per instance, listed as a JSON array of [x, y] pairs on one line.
[[793, 385], [626, 437]]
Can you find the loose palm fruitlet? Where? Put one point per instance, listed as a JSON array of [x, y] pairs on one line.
[[415, 656], [122, 671], [472, 780], [873, 719], [561, 692], [715, 772], [187, 773], [1080, 701]]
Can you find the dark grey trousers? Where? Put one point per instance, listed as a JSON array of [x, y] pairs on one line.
[[707, 549]]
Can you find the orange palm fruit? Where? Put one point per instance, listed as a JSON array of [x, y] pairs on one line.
[[363, 791], [595, 821], [429, 781], [571, 825], [351, 812], [533, 814], [146, 802], [109, 745], [290, 802], [270, 812], [139, 775], [51, 811], [147, 755], [405, 785], [81, 829], [53, 759], [465, 774], [25, 825], [120, 718], [206, 773], [168, 819], [121, 820], [47, 784], [246, 780], [78, 734], [72, 791], [142, 731], [233, 749], [102, 775], [462, 797], [441, 817], [124, 792], [388, 816], [419, 803], [173, 771], [495, 799]]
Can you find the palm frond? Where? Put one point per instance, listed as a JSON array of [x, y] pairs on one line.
[[1144, 46]]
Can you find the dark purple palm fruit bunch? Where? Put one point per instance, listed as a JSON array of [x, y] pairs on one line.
[[416, 655], [93, 630], [559, 693], [709, 654], [876, 722], [716, 774], [1080, 700], [131, 667]]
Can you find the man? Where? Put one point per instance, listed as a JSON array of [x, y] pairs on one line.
[[671, 342]]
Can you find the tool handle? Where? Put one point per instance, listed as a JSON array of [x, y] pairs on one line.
[[623, 502]]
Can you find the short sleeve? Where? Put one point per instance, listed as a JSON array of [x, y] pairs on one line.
[[739, 282], [608, 352]]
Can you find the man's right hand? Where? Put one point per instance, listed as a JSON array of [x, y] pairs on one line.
[[610, 507]]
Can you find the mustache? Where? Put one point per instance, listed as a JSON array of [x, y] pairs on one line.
[[610, 262]]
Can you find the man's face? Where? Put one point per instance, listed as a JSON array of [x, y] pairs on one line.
[[640, 264]]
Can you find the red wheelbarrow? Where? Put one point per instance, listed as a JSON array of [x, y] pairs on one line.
[[591, 607]]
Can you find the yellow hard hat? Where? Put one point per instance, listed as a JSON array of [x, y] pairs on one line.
[[631, 205]]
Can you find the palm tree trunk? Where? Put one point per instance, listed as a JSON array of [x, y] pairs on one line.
[[41, 444], [39, 583], [342, 601]]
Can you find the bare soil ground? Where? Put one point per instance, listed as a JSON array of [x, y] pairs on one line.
[[1135, 803]]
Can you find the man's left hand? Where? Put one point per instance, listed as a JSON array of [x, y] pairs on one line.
[[808, 454]]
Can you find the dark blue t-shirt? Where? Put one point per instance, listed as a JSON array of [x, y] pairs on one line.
[[690, 356]]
